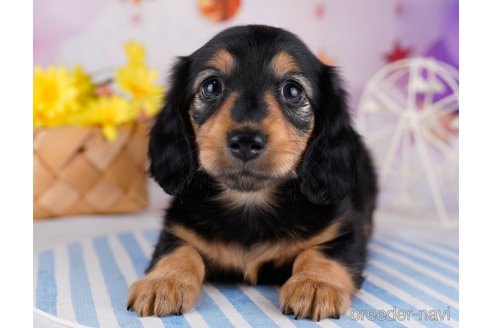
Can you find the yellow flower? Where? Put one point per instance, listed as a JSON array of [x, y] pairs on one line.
[[84, 84], [139, 81], [135, 52], [54, 96], [108, 112], [67, 98]]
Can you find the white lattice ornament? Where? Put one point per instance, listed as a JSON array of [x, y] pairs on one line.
[[408, 114]]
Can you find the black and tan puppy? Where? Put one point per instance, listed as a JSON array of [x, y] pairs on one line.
[[271, 182]]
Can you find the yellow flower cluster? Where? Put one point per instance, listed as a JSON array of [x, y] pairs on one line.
[[138, 80], [63, 97]]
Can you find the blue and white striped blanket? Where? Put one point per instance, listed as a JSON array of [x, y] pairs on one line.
[[408, 283]]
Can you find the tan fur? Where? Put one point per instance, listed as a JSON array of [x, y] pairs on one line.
[[285, 144], [222, 60], [211, 136], [367, 230], [248, 260], [283, 63], [319, 287], [263, 199], [172, 286]]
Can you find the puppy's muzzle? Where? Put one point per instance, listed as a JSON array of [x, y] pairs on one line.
[[246, 144]]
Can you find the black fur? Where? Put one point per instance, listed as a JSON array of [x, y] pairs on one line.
[[171, 146], [335, 178], [328, 170]]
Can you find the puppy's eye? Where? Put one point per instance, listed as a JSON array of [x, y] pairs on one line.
[[211, 88], [292, 92]]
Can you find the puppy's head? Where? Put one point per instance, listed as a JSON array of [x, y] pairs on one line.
[[252, 108]]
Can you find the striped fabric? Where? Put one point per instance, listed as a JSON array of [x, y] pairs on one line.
[[85, 283]]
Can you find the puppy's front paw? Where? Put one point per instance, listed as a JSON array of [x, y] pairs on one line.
[[171, 287], [310, 298], [162, 295]]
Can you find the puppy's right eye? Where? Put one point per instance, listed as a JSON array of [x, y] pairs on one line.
[[292, 92], [211, 88]]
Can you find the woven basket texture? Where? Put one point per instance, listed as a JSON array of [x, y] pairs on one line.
[[77, 171]]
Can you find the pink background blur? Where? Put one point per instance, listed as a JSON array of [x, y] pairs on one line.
[[359, 36]]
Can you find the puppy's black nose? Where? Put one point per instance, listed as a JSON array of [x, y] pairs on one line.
[[246, 144]]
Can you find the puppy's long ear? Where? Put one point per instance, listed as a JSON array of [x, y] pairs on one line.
[[328, 170], [171, 153]]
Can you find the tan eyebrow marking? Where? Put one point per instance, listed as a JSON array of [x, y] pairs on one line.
[[222, 60], [284, 63]]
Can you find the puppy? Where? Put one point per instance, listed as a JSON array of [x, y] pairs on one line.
[[271, 182]]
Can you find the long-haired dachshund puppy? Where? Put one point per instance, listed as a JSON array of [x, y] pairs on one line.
[[271, 182]]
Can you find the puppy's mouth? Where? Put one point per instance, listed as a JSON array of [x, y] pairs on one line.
[[245, 180]]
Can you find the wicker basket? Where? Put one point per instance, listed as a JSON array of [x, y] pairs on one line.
[[77, 171]]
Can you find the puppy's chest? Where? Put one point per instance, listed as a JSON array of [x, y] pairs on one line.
[[247, 260]]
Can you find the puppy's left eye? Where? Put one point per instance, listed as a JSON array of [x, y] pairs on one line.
[[211, 88], [292, 92]]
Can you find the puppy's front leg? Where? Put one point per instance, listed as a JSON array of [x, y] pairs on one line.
[[171, 287], [318, 288]]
